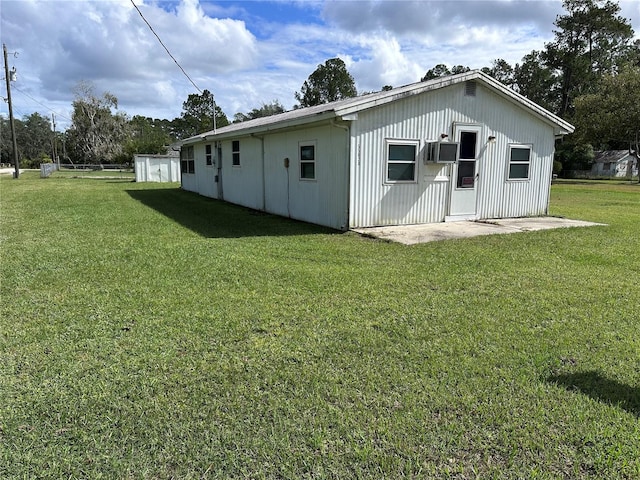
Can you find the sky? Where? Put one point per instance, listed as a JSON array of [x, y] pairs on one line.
[[249, 53]]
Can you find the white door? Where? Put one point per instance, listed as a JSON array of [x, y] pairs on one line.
[[164, 172], [154, 171], [464, 175]]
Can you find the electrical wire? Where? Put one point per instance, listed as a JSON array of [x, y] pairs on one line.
[[41, 104], [165, 47]]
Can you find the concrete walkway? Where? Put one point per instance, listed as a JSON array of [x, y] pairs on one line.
[[431, 232]]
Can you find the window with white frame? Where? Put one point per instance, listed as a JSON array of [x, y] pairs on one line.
[[401, 162], [187, 160], [519, 162], [235, 153], [208, 154], [307, 160]]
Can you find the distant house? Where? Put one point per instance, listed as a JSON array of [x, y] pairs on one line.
[[454, 148], [614, 163], [157, 168]]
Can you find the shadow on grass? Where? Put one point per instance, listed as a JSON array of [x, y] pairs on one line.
[[212, 218], [603, 389]]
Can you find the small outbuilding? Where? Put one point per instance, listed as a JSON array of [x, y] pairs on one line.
[[462, 147], [615, 163], [157, 168]]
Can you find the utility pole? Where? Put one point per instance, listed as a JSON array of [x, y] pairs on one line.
[[213, 104], [56, 160], [8, 76]]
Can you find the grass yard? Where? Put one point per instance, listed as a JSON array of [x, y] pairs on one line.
[[149, 333]]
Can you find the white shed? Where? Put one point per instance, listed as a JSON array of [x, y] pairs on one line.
[[454, 148], [157, 168]]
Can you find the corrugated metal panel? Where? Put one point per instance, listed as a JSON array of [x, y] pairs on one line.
[[497, 196], [157, 168], [266, 184], [425, 117], [378, 203]]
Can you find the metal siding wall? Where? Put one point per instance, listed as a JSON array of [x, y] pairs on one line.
[[190, 183], [376, 203], [204, 176], [498, 197], [243, 185], [175, 169], [322, 201], [140, 168], [425, 117]]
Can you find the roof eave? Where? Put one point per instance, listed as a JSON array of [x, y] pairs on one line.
[[560, 126], [261, 129]]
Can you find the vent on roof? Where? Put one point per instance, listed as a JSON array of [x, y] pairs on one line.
[[470, 88]]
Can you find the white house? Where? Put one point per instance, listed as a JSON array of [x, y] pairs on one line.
[[157, 168], [454, 148], [615, 163]]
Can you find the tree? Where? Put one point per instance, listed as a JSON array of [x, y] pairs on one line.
[[591, 40], [329, 82], [501, 71], [33, 137], [573, 156], [146, 135], [536, 82], [197, 116], [266, 110], [441, 70], [611, 116], [96, 134], [455, 70]]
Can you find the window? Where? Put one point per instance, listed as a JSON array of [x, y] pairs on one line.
[[187, 162], [401, 160], [235, 153], [519, 161], [208, 154], [308, 161], [467, 162]]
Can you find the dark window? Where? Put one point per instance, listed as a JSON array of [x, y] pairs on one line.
[[235, 153], [401, 161], [467, 161], [208, 155], [519, 161], [308, 161], [187, 162], [468, 145]]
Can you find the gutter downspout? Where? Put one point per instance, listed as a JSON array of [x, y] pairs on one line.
[[346, 128]]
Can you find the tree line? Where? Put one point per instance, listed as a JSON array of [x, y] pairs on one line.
[[589, 74]]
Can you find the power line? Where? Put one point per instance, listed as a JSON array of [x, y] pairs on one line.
[[41, 104], [165, 47]]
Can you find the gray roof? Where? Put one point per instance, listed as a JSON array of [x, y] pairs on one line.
[[350, 106], [610, 156]]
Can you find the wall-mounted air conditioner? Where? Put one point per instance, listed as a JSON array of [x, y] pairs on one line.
[[441, 152]]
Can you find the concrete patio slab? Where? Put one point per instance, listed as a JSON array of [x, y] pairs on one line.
[[431, 232]]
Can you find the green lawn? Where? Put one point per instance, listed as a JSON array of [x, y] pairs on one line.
[[149, 333]]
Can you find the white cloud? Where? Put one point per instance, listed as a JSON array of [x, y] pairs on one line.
[[386, 65], [248, 52]]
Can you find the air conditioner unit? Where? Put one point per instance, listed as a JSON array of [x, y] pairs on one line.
[[441, 152]]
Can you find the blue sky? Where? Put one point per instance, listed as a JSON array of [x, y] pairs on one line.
[[252, 52]]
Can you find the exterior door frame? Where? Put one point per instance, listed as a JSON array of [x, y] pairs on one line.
[[463, 191]]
